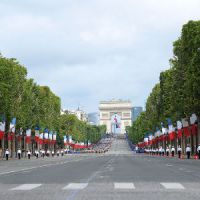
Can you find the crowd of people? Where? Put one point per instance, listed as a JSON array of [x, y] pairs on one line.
[[101, 147], [38, 153], [171, 151]]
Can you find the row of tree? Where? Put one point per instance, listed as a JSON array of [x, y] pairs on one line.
[[34, 105], [177, 95]]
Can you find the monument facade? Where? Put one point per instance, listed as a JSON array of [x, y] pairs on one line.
[[116, 115]]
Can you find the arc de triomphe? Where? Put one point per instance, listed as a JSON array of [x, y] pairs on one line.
[[119, 108]]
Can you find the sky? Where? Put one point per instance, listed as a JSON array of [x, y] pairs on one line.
[[92, 50]]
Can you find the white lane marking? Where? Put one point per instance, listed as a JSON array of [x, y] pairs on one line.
[[124, 186], [7, 172], [27, 187], [75, 186], [169, 165], [173, 186]]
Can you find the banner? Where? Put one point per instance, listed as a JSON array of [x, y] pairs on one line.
[[194, 126], [54, 138], [193, 119], [179, 127], [10, 136], [12, 125], [46, 138], [194, 129], [172, 136], [51, 137], [65, 139], [28, 136], [19, 137], [185, 122], [150, 140], [2, 128], [186, 131], [146, 141], [41, 138], [37, 134], [70, 139], [179, 135]]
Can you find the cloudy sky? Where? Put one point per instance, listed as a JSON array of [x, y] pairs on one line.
[[92, 50]]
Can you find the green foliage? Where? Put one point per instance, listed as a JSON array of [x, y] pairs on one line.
[[79, 130], [177, 95], [35, 105]]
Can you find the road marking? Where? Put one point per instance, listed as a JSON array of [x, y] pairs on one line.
[[7, 172], [169, 165], [124, 186], [27, 187], [75, 186], [174, 186]]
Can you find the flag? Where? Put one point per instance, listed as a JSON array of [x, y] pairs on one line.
[[2, 126], [65, 139], [51, 135], [12, 125], [41, 138], [37, 133], [28, 136], [179, 127], [186, 130], [70, 138]]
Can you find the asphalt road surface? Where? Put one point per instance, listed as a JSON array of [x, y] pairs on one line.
[[118, 174]]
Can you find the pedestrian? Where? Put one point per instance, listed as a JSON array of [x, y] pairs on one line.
[[179, 151], [173, 151], [43, 153], [7, 153], [160, 151], [58, 152], [36, 153], [198, 151], [188, 151], [48, 152], [62, 152], [29, 154], [52, 153], [19, 152], [163, 151], [167, 151], [150, 151], [156, 151]]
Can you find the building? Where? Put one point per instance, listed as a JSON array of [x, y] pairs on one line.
[[136, 112], [116, 115], [80, 114]]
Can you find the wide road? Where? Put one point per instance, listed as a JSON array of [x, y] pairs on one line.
[[118, 174]]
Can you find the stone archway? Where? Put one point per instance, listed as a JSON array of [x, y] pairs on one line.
[[120, 108]]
